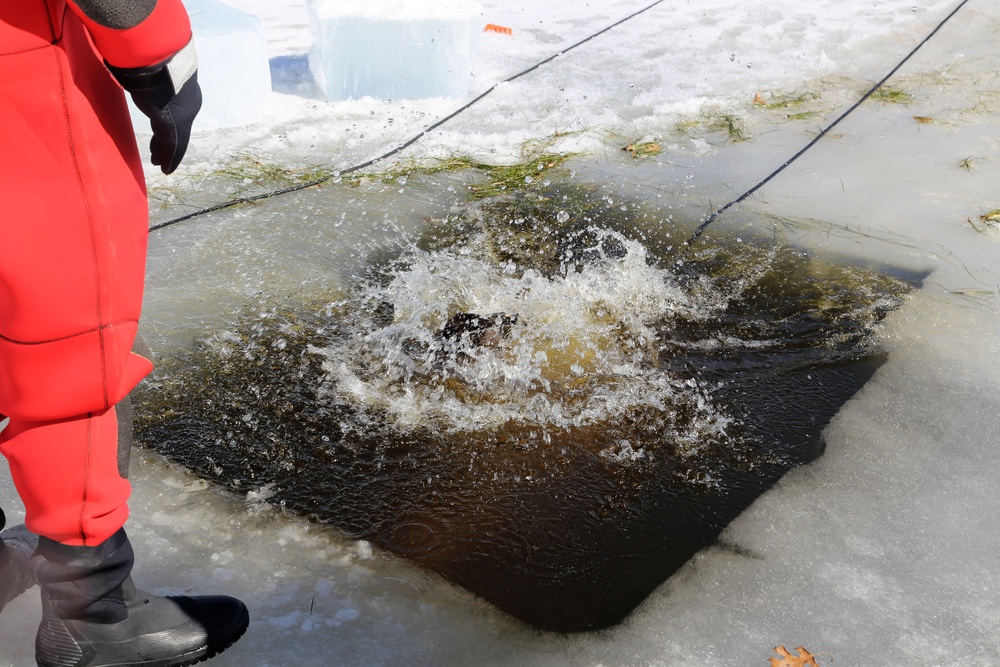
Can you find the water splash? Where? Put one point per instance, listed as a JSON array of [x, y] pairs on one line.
[[585, 347]]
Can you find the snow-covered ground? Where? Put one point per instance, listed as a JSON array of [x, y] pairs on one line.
[[884, 551]]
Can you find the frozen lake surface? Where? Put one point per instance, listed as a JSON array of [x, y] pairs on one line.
[[883, 551]]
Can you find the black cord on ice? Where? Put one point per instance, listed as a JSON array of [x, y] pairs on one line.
[[319, 181], [719, 211]]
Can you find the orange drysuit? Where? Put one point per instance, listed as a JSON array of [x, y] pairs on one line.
[[73, 228]]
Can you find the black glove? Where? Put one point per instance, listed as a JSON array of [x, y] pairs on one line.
[[169, 95]]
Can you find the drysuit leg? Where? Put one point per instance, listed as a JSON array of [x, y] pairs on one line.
[[72, 474], [67, 474]]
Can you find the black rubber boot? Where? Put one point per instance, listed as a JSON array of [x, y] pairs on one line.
[[94, 616], [17, 570]]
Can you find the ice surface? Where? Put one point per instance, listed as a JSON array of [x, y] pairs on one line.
[[233, 69], [390, 49], [883, 552]]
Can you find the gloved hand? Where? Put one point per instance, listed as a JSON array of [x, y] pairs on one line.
[[169, 95]]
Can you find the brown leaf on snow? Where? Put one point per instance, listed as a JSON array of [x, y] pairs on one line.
[[804, 658]]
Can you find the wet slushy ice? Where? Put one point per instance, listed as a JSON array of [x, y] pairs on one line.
[[547, 397]]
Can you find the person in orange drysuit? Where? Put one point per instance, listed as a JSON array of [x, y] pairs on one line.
[[74, 221]]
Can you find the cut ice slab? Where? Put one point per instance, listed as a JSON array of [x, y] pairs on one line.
[[233, 68], [390, 49]]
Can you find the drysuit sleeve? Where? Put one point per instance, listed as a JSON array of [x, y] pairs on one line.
[[135, 33], [148, 47]]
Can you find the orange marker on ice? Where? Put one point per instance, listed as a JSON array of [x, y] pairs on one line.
[[492, 27]]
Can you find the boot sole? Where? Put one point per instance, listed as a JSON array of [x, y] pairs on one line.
[[211, 651]]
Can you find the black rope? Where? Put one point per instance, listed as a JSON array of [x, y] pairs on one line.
[[719, 211], [405, 145]]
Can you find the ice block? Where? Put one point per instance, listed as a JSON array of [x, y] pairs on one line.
[[233, 67], [393, 49]]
